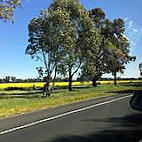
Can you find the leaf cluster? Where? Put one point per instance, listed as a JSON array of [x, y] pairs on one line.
[[7, 8]]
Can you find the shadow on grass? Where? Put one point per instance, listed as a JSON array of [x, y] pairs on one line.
[[137, 84], [25, 95], [137, 87], [74, 87], [123, 129], [19, 96], [81, 87]]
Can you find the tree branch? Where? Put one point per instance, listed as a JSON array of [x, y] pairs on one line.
[[77, 68], [44, 60], [54, 79], [40, 59]]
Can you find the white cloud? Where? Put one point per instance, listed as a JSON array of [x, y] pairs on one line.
[[132, 31], [135, 30], [133, 43], [125, 19], [130, 24]]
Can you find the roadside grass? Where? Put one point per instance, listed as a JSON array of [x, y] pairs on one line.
[[11, 104]]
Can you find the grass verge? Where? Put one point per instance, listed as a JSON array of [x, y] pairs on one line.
[[11, 104]]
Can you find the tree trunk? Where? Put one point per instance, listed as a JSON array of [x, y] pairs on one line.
[[46, 92], [70, 79], [94, 83], [115, 78]]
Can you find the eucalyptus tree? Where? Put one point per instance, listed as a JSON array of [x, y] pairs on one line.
[[140, 68], [95, 65], [46, 46], [7, 8], [113, 52], [120, 57], [73, 22], [6, 79]]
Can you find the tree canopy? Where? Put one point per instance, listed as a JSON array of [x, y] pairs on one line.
[[66, 38], [65, 34], [113, 52], [7, 8], [140, 68], [84, 38]]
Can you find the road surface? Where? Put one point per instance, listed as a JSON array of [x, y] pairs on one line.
[[108, 119]]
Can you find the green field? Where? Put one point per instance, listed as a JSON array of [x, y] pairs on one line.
[[17, 102]]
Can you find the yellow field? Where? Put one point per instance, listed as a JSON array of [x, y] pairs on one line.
[[58, 84], [29, 85]]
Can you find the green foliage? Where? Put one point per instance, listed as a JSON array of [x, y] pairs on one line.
[[113, 52], [140, 68], [6, 79], [66, 37], [60, 37], [79, 36], [45, 45], [120, 56], [7, 8]]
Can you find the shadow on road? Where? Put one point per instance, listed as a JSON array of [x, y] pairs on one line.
[[124, 129]]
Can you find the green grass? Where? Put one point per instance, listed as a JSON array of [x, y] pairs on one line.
[[17, 102]]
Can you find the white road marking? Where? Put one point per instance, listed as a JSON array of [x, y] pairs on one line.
[[61, 115]]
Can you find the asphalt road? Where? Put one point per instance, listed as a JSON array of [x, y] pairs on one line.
[[108, 119]]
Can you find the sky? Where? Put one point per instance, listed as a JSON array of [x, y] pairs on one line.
[[14, 37]]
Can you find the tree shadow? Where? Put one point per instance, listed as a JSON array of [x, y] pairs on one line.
[[137, 88], [136, 84], [19, 96], [122, 129], [24, 95], [81, 87], [105, 136], [74, 87], [132, 121]]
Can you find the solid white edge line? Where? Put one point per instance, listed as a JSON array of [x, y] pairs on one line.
[[60, 115]]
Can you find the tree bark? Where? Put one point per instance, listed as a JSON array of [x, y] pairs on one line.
[[94, 83], [46, 92], [70, 79], [115, 78], [53, 82]]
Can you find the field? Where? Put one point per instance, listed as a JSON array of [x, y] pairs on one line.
[[21, 101], [58, 84], [39, 84]]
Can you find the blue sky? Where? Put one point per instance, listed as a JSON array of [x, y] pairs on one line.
[[14, 37]]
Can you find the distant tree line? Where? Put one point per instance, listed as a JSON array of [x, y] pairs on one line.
[[13, 79]]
